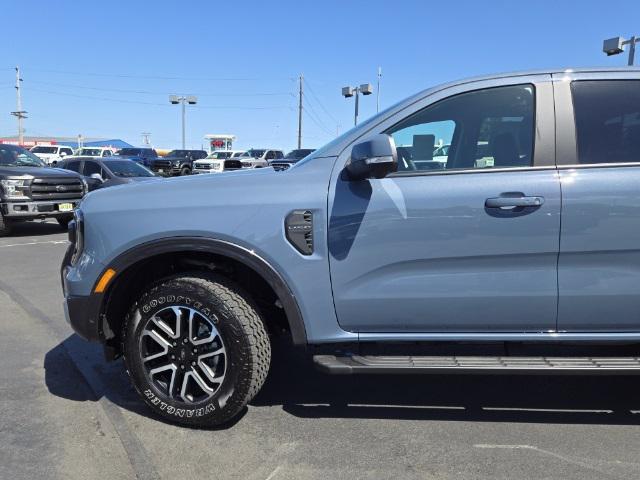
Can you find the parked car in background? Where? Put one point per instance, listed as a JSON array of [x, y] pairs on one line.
[[109, 171], [259, 157], [141, 155], [219, 161], [177, 162], [30, 190], [51, 154], [94, 152], [290, 158]]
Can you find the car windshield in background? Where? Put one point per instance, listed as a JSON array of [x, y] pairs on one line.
[[178, 153], [45, 150], [128, 152], [237, 154], [298, 154], [12, 156], [90, 152], [253, 153], [128, 169]]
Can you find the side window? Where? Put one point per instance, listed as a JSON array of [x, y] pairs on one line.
[[607, 115], [270, 155], [491, 128], [279, 154], [74, 166], [92, 167], [68, 151], [107, 153]]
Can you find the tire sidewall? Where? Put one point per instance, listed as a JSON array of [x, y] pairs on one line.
[[227, 400]]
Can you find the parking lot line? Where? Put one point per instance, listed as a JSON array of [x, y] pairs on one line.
[[53, 242]]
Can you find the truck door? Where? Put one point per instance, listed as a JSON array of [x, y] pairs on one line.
[[599, 166], [466, 241]]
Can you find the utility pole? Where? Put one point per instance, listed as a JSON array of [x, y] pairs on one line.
[[378, 90], [19, 113], [300, 114]]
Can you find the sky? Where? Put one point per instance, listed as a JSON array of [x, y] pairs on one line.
[[106, 69]]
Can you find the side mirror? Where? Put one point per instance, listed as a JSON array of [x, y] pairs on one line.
[[97, 176], [374, 158], [63, 154]]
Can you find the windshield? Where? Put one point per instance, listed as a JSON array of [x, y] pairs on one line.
[[442, 151], [128, 168], [253, 153], [237, 154], [125, 152], [178, 153], [219, 155], [298, 154], [90, 152], [43, 149], [13, 156]]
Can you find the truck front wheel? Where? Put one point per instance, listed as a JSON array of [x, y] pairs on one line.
[[185, 171], [196, 349], [5, 226]]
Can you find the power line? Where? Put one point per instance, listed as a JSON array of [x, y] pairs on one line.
[[139, 102], [150, 77], [313, 119], [319, 120], [320, 103], [149, 92]]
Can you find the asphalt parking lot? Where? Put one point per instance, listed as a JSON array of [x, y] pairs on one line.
[[66, 413]]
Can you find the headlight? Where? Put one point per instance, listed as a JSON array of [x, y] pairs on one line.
[[217, 166], [14, 188], [76, 235]]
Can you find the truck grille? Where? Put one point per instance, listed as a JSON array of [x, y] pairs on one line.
[[232, 164], [161, 164], [48, 188], [202, 166], [280, 166]]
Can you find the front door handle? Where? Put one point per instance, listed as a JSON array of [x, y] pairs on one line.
[[513, 202]]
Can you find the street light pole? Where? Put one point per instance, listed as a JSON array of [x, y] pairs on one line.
[[615, 45], [183, 100], [364, 89]]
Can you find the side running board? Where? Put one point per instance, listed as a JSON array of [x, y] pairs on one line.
[[353, 364]]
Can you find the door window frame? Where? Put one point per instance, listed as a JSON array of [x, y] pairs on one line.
[[544, 148]]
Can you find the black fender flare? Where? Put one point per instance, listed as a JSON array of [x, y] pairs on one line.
[[226, 249]]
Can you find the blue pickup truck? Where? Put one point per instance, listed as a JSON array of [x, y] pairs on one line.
[[517, 251]]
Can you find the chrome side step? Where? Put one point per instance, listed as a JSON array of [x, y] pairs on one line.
[[485, 365]]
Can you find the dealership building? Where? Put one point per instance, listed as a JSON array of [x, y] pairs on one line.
[[29, 142]]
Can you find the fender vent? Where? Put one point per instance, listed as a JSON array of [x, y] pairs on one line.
[[299, 230]]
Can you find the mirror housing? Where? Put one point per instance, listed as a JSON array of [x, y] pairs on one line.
[[97, 176], [373, 158], [63, 154]]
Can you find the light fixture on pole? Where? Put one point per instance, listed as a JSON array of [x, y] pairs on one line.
[[615, 45], [364, 89], [184, 100]]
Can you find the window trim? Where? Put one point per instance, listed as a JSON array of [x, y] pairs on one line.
[[543, 108]]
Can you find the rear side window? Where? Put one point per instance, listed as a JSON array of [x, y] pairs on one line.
[[607, 115]]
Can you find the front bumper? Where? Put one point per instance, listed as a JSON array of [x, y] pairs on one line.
[[82, 312], [29, 209]]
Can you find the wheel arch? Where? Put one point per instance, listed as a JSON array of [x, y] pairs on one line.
[[135, 258]]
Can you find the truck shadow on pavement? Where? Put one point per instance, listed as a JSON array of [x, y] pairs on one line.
[[35, 229], [303, 392]]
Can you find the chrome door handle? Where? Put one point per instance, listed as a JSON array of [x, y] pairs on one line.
[[509, 202]]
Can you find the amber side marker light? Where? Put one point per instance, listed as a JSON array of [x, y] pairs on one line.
[[104, 280]]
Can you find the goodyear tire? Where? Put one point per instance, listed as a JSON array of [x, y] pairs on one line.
[[196, 349]]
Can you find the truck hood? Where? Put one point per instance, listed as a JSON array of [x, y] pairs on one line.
[[36, 172]]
